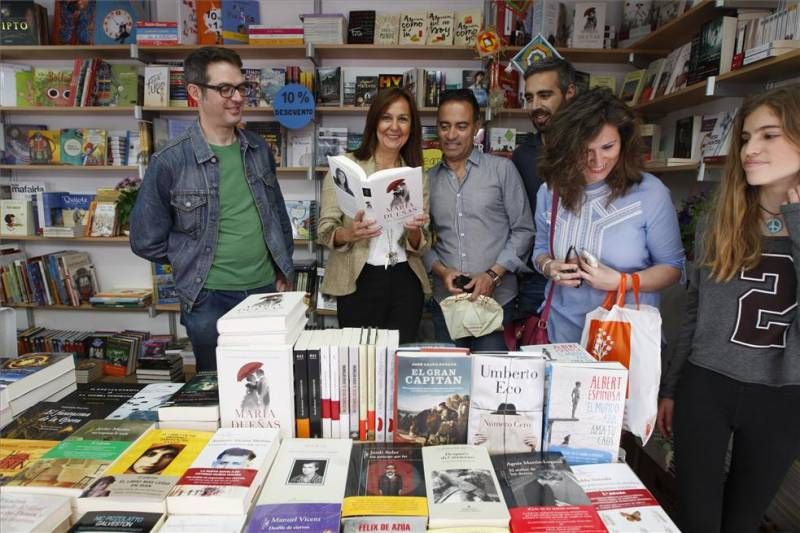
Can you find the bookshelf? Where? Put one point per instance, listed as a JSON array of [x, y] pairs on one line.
[[85, 307], [602, 55], [39, 110], [92, 169], [92, 240], [65, 52]]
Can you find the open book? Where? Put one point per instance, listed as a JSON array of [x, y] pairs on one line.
[[387, 196]]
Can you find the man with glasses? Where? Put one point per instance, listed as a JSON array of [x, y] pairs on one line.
[[481, 218], [210, 205], [549, 85]]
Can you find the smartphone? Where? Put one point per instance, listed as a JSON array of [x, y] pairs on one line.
[[589, 258], [461, 281]]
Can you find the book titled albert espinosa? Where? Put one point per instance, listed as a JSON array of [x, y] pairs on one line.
[[387, 196], [256, 388], [462, 488], [507, 403], [140, 478], [386, 480], [432, 397], [226, 475], [263, 313], [304, 488], [542, 493]]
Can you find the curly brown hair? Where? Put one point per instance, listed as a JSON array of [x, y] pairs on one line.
[[574, 126]]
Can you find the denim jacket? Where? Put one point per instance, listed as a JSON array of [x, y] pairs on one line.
[[176, 216]]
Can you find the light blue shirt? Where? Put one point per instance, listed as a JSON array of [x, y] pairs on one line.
[[632, 233]]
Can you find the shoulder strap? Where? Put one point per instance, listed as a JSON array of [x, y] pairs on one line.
[[553, 217]]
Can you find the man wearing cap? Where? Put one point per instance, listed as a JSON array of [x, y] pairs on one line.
[[210, 205], [549, 85], [481, 218]]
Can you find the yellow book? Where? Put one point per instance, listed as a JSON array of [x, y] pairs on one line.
[[17, 454]]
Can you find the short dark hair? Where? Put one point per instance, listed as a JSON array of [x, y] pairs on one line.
[[195, 66], [566, 72], [462, 95], [238, 452]]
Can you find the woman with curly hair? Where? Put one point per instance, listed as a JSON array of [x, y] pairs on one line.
[[735, 375], [607, 207]]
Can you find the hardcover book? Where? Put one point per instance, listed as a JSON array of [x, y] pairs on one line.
[[237, 16], [361, 27], [209, 22], [329, 86], [388, 196], [432, 397], [156, 86], [17, 149], [115, 21], [462, 488], [385, 481], [542, 493], [413, 28], [16, 218], [475, 81], [621, 499], [507, 403], [44, 147], [227, 474], [632, 87], [440, 28], [271, 132], [263, 313], [302, 217], [71, 146], [387, 29], [272, 81], [304, 488], [588, 25], [256, 388], [717, 142], [366, 89]]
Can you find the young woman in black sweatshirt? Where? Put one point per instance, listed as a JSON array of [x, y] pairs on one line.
[[736, 370]]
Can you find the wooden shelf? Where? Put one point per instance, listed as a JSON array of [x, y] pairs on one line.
[[681, 29], [601, 55], [665, 169], [93, 240], [378, 51], [83, 307], [754, 74], [245, 110], [72, 168], [299, 170], [167, 308], [121, 110], [296, 51], [362, 110], [28, 52]]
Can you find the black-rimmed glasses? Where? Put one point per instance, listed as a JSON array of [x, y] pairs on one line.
[[226, 90]]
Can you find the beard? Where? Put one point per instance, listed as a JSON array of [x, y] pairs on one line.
[[541, 119]]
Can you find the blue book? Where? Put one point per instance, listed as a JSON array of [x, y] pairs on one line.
[[50, 208], [237, 16], [295, 517], [115, 21]]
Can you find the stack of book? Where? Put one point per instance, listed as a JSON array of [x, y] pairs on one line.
[[328, 28], [88, 370], [125, 298], [35, 512], [155, 365], [254, 360], [194, 406], [35, 377], [144, 404]]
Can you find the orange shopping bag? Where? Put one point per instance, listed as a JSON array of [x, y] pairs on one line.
[[632, 336]]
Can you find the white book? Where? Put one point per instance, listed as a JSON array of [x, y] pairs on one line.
[[380, 384], [507, 402], [299, 148], [388, 196], [321, 342], [680, 69], [344, 384], [145, 403], [354, 376], [440, 28], [226, 476], [333, 349], [584, 406], [256, 388], [25, 512], [589, 25], [462, 488], [156, 86], [187, 21], [393, 342], [622, 501], [413, 28], [363, 383], [285, 337], [568, 352], [387, 29], [305, 486], [26, 190], [264, 313], [717, 142], [203, 524], [16, 218], [466, 26]]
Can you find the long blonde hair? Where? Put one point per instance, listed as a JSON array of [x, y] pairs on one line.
[[733, 237]]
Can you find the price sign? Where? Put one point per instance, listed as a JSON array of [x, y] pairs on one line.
[[294, 106]]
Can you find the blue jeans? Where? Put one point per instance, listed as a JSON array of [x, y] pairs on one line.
[[201, 321], [493, 342]]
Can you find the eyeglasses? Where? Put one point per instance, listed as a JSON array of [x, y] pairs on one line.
[[226, 90]]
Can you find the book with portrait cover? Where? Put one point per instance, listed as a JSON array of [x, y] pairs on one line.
[[507, 402], [621, 499], [227, 474], [385, 481], [256, 388], [140, 479], [432, 396], [388, 196], [542, 493], [71, 466], [304, 488], [462, 488]]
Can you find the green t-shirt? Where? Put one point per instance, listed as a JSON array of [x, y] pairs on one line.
[[242, 260]]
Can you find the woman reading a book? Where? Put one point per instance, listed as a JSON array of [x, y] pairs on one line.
[[379, 281], [736, 369], [612, 218]]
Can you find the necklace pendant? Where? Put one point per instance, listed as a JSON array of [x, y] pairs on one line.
[[391, 259], [774, 225]]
